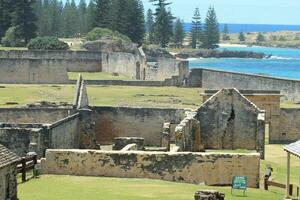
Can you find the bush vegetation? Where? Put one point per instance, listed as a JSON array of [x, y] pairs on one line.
[[47, 43], [106, 34], [12, 38]]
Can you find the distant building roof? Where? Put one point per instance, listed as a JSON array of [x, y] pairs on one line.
[[7, 157], [293, 148]]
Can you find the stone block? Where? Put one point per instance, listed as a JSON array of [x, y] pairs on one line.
[[121, 142], [209, 195]]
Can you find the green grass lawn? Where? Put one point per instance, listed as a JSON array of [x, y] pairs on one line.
[[164, 97], [98, 188], [97, 76], [76, 188]]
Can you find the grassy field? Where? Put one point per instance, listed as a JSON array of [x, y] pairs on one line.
[[77, 188], [97, 76], [164, 97]]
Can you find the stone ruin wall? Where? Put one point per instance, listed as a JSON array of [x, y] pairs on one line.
[[167, 68], [34, 115], [283, 126], [289, 126], [23, 138], [42, 67], [111, 122], [10, 170], [229, 121], [216, 79], [74, 61], [195, 168]]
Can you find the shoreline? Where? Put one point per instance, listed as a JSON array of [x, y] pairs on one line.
[[222, 45]]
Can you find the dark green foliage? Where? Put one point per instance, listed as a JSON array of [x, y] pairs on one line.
[[103, 8], [178, 33], [126, 17], [6, 8], [163, 24], [104, 33], [24, 19], [13, 38], [260, 38], [196, 31], [47, 43], [150, 26], [225, 33], [211, 36], [242, 37]]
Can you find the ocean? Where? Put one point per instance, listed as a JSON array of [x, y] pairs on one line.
[[284, 62], [236, 28]]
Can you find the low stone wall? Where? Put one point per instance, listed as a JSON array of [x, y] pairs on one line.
[[127, 83], [216, 79], [64, 134], [289, 126], [196, 168], [32, 71], [74, 61], [147, 123], [33, 115]]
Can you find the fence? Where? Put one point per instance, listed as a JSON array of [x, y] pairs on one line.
[[27, 163]]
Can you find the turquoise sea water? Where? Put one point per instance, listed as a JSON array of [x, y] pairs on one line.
[[284, 62]]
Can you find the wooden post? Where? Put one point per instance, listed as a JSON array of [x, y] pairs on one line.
[[288, 176], [266, 183], [23, 169]]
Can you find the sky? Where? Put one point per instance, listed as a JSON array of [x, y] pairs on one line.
[[283, 12]]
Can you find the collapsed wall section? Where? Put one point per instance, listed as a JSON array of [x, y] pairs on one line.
[[193, 168]]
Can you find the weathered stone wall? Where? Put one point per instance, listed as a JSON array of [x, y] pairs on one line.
[[132, 65], [64, 134], [147, 123], [289, 129], [188, 135], [32, 71], [8, 178], [22, 139], [212, 169], [268, 101], [215, 79], [33, 115], [166, 68], [230, 121], [74, 61]]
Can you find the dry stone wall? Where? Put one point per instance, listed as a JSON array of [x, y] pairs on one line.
[[211, 169]]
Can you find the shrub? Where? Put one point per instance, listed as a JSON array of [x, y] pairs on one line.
[[107, 34], [12, 38], [47, 43]]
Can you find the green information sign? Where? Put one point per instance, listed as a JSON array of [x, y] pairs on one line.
[[239, 183]]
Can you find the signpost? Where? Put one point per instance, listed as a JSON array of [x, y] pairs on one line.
[[239, 183]]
